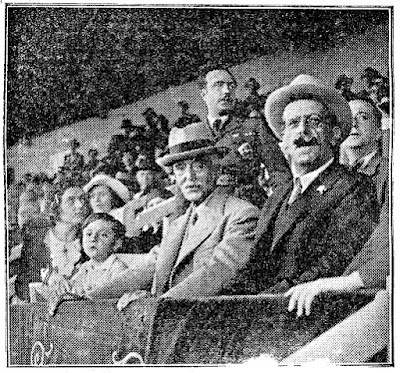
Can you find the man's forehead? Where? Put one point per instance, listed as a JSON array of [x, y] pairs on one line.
[[73, 192], [299, 107], [361, 106], [219, 75], [200, 158]]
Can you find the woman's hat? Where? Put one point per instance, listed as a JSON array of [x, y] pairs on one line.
[[188, 142], [306, 87], [115, 185]]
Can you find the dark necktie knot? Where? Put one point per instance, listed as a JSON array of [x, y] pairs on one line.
[[217, 126]]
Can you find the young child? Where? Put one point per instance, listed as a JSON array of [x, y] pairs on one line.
[[102, 236]]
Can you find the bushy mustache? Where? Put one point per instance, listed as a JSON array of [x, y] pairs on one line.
[[302, 142]]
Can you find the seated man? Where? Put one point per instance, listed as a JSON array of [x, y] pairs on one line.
[[364, 149], [313, 227], [204, 248]]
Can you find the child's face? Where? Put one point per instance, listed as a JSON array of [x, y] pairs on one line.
[[99, 240]]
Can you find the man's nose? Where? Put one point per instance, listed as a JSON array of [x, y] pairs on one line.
[[355, 123], [189, 172], [79, 204], [226, 88], [304, 127]]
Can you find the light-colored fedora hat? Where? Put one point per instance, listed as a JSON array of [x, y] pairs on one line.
[[307, 87], [188, 142], [115, 185]]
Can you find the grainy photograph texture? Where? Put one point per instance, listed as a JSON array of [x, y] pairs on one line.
[[197, 185]]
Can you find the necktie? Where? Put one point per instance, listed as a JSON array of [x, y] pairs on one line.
[[296, 190], [217, 126]]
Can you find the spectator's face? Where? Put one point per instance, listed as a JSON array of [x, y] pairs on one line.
[[195, 177], [145, 179], [366, 127], [307, 135], [100, 198], [219, 93], [98, 240], [73, 206], [127, 160]]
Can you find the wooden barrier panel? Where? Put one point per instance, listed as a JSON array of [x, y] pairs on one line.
[[80, 333], [213, 330]]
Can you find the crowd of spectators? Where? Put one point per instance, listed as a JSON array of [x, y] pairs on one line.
[[49, 215]]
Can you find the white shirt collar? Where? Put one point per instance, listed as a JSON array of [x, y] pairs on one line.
[[104, 265], [366, 159], [223, 119], [307, 179]]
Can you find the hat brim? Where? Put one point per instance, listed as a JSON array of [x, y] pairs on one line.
[[169, 159], [279, 99], [115, 185]]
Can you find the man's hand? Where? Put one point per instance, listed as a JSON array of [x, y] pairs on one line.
[[303, 295], [59, 283], [128, 298]]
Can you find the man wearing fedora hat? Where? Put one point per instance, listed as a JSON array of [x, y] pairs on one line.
[[314, 226], [250, 141], [204, 248], [186, 118]]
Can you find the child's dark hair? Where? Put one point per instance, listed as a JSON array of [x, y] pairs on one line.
[[118, 228]]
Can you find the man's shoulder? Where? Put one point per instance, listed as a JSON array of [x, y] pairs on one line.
[[351, 178], [235, 204]]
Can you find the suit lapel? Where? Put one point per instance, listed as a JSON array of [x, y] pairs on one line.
[[320, 193], [271, 208], [208, 218], [203, 228], [169, 250]]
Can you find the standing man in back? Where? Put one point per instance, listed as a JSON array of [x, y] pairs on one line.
[[250, 142]]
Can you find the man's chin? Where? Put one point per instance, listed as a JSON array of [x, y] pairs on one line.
[[193, 196]]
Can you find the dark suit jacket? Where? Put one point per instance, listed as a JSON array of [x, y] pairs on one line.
[[373, 261], [317, 236]]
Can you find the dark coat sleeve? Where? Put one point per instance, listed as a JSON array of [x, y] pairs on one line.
[[34, 255], [373, 261]]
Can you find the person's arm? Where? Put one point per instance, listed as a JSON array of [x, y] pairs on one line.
[[228, 256], [302, 296], [138, 276]]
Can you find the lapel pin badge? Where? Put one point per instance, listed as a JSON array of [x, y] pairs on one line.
[[321, 189]]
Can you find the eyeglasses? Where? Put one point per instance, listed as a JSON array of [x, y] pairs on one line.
[[197, 166], [313, 121]]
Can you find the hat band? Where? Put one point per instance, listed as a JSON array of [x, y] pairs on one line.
[[190, 145]]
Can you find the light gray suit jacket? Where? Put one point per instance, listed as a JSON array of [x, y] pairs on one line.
[[220, 244]]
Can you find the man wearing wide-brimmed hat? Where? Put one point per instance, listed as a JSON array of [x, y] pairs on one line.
[[202, 250], [314, 226]]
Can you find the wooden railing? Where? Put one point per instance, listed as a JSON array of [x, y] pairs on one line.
[[214, 330]]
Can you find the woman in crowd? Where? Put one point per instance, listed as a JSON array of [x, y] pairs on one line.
[[51, 247], [107, 195]]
